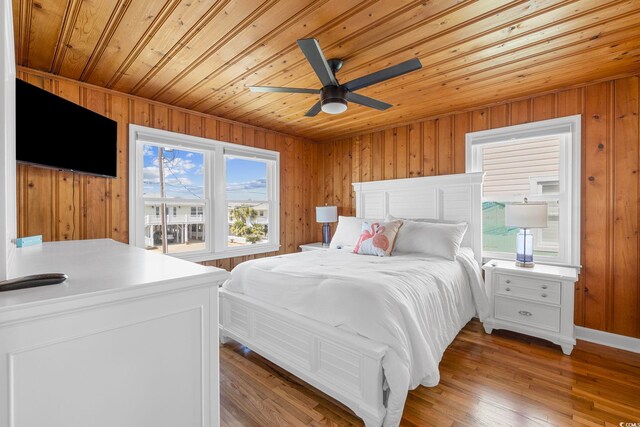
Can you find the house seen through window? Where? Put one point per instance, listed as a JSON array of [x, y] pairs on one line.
[[514, 170]]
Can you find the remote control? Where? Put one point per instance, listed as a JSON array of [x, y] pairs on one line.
[[32, 281]]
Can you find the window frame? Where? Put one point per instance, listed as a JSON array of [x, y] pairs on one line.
[[569, 128], [215, 206]]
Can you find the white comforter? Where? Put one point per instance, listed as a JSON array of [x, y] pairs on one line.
[[414, 304]]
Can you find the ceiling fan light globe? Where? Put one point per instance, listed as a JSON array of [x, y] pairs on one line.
[[333, 99], [335, 106]]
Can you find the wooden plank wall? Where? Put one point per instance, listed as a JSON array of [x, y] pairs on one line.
[[64, 205], [608, 293]]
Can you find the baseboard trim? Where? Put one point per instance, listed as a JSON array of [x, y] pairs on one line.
[[606, 338]]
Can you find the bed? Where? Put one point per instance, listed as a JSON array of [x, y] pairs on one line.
[[365, 329]]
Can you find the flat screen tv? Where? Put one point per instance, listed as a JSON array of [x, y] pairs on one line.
[[56, 133]]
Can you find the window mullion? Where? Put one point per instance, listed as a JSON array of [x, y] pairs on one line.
[[219, 205]]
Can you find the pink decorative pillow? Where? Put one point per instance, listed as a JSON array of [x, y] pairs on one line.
[[377, 238]]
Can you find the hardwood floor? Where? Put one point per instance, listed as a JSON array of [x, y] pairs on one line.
[[486, 380]]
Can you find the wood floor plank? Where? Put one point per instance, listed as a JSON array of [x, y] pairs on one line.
[[503, 379]]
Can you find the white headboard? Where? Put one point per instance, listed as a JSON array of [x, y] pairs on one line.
[[445, 197]]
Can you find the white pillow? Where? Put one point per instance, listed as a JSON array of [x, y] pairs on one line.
[[441, 240], [347, 233]]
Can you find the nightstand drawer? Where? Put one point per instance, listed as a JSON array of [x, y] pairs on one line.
[[539, 284], [528, 313], [551, 295]]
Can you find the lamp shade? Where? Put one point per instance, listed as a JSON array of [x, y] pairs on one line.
[[326, 214], [526, 215]]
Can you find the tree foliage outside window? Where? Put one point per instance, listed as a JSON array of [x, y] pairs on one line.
[[242, 226]]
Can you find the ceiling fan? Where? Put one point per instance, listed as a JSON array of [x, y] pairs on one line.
[[333, 95]]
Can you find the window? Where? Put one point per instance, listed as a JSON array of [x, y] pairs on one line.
[[539, 161], [209, 192], [247, 200]]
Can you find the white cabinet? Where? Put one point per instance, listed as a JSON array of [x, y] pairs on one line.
[[130, 339], [535, 301]]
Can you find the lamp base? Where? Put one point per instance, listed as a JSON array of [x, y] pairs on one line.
[[524, 249], [525, 264], [326, 235]]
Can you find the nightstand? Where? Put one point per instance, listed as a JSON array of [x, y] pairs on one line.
[[313, 247], [535, 301]]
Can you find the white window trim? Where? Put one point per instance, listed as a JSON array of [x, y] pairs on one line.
[[216, 208], [570, 127], [534, 184]]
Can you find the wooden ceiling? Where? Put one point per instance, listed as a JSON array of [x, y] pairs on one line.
[[202, 54]]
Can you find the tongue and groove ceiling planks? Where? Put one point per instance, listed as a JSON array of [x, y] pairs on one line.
[[201, 55]]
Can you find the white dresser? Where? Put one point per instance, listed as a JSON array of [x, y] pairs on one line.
[[130, 339], [535, 301]]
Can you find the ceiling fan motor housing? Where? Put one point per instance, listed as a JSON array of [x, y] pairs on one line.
[[331, 95]]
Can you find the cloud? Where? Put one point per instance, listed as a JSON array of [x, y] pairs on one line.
[[175, 186], [174, 169], [151, 174], [148, 151], [182, 173], [178, 166], [248, 185], [172, 162], [183, 181]]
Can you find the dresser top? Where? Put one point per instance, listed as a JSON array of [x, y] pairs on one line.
[[97, 267], [563, 273]]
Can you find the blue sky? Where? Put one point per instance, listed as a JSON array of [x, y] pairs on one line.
[[246, 180], [184, 173]]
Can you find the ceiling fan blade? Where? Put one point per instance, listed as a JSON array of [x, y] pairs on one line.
[[282, 89], [312, 51], [367, 102], [313, 111], [382, 75]]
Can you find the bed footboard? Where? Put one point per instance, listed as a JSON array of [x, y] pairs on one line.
[[345, 366]]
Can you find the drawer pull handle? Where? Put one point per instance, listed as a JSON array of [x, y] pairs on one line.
[[508, 281], [524, 313], [544, 295], [544, 286], [507, 289]]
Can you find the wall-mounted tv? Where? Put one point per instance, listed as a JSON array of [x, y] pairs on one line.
[[56, 133]]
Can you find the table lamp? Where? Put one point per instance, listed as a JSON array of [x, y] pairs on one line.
[[526, 216], [326, 215]]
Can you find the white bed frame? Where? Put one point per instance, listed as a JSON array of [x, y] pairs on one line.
[[343, 365]]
